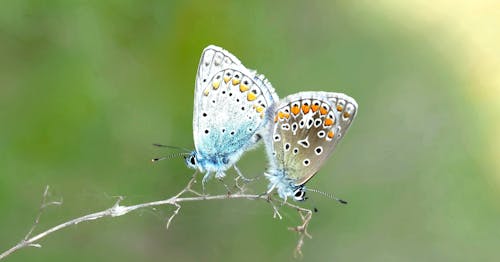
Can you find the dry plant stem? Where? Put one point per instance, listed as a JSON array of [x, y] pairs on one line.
[[305, 215], [119, 210]]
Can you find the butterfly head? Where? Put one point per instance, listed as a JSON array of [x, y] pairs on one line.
[[285, 186]]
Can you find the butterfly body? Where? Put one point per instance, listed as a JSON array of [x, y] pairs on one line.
[[230, 110], [307, 127]]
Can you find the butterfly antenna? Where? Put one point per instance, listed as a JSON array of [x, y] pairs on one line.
[[172, 147], [328, 195], [175, 155]]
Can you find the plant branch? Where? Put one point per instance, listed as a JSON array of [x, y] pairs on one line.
[[119, 210]]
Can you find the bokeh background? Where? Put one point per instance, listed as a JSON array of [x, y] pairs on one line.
[[87, 86]]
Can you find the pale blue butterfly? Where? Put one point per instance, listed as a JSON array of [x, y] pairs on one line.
[[231, 106], [307, 127]]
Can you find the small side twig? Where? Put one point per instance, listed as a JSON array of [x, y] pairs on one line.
[[43, 206], [306, 216]]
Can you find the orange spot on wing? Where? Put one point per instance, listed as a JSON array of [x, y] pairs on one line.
[[244, 88], [323, 110], [347, 115], [340, 108], [315, 108], [259, 109], [236, 81], [282, 115], [330, 134], [226, 79], [305, 109], [216, 84], [251, 96], [328, 122], [276, 119], [295, 110]]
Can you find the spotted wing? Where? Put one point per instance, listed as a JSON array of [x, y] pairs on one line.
[[307, 128], [230, 104]]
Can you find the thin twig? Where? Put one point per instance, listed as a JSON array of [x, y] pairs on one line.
[[119, 210]]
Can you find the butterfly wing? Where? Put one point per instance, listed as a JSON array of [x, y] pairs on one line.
[[229, 106], [307, 128]]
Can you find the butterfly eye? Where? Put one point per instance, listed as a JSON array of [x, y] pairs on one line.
[[299, 194]]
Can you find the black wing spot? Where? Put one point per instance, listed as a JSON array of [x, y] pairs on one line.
[[317, 122], [318, 150], [206, 131], [304, 143]]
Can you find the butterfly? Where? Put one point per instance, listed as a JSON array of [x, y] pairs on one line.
[[231, 107], [307, 127]]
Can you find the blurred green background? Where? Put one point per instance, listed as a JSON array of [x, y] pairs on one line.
[[87, 86]]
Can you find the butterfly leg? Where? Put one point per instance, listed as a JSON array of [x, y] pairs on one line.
[[268, 192], [204, 181], [220, 175], [241, 175]]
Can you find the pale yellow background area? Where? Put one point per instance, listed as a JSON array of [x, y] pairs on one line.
[[468, 32]]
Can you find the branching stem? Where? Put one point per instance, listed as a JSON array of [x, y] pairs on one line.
[[119, 210]]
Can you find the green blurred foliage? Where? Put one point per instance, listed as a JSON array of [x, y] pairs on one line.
[[87, 86]]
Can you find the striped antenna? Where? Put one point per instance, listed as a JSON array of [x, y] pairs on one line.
[[175, 155], [328, 195], [172, 147]]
